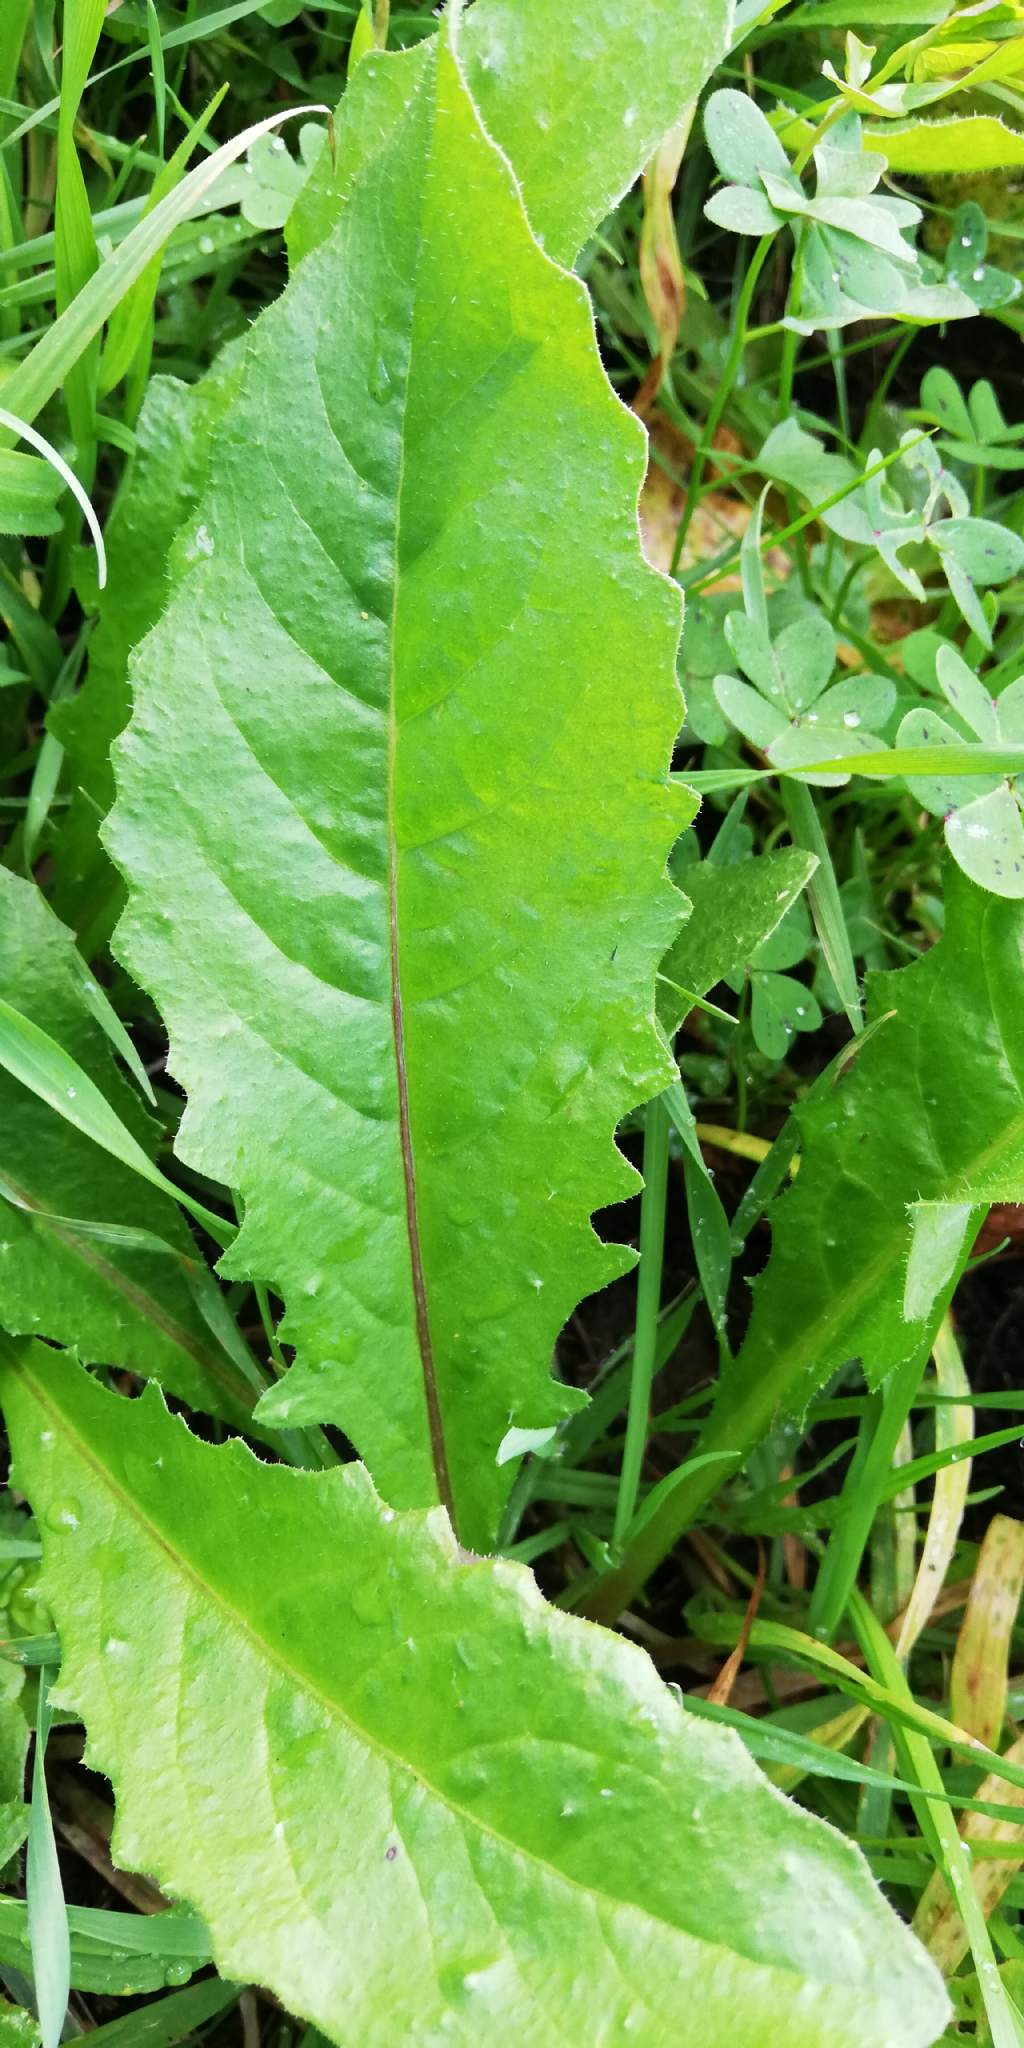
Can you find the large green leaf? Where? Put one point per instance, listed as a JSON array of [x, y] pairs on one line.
[[901, 1152], [394, 806], [617, 76], [120, 1302], [406, 1794], [577, 95]]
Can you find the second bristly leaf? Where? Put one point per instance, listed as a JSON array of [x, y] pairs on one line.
[[418, 1803]]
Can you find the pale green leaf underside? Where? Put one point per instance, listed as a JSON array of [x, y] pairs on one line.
[[394, 805], [415, 1801], [930, 1112], [579, 111], [120, 1307]]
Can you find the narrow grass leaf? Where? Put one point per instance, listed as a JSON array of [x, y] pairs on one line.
[[47, 1914], [978, 1679], [89, 1254], [169, 2020], [937, 1919], [75, 253], [954, 1428], [47, 365]]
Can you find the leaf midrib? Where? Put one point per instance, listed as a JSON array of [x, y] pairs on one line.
[[435, 1419]]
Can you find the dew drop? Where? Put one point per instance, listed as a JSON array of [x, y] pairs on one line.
[[64, 1514], [380, 381]]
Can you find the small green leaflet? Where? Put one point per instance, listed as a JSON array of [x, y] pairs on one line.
[[930, 506], [733, 910], [982, 820], [852, 255], [407, 1795], [394, 805]]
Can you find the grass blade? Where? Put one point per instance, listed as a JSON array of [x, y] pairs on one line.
[[47, 1914]]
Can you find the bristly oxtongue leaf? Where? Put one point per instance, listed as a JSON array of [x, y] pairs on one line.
[[578, 93], [901, 1152], [579, 121], [922, 1128], [74, 1262], [415, 1801], [394, 806]]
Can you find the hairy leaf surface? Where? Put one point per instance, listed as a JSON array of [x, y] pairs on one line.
[[577, 95], [394, 807], [120, 1306], [580, 113], [404, 1792], [923, 1128]]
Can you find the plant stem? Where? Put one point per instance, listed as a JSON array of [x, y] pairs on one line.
[[722, 394], [652, 1248], [823, 895], [861, 1495]]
